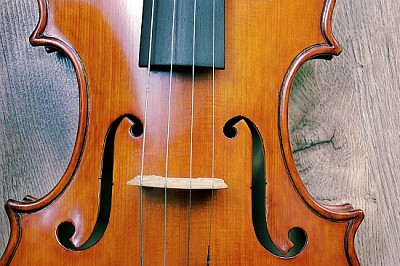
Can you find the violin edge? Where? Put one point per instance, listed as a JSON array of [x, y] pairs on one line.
[[15, 208], [336, 213]]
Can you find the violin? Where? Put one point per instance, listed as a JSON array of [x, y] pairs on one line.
[[182, 154]]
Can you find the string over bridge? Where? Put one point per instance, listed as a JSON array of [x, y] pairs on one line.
[[153, 181]]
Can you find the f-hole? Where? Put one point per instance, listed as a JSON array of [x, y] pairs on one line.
[[296, 235], [66, 229]]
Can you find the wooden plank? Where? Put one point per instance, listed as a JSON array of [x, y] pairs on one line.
[[345, 124], [38, 110]]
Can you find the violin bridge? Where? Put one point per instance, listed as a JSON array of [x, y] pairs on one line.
[[153, 181]]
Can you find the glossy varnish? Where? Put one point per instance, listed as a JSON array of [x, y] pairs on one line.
[[266, 42]]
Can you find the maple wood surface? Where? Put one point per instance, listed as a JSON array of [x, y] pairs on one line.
[[343, 119]]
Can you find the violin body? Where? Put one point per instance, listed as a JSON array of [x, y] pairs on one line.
[[230, 123]]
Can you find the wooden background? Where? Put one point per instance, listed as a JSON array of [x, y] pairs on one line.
[[344, 119]]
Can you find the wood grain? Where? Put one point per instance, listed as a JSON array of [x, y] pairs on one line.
[[39, 110], [344, 119], [345, 124]]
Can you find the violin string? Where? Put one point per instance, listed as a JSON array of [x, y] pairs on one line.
[[168, 131], [213, 138], [191, 133], [141, 224]]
